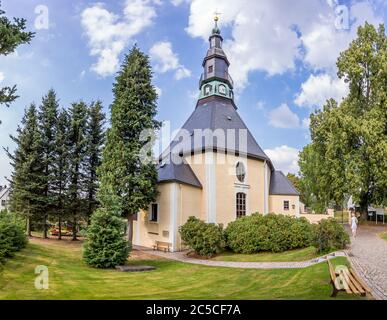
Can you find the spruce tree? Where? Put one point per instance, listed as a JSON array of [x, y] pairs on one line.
[[77, 155], [27, 179], [48, 117], [105, 246], [95, 139], [61, 167], [12, 34], [128, 184]]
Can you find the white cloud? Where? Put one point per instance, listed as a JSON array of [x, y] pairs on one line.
[[319, 88], [109, 33], [272, 35], [159, 91], [306, 123], [284, 158], [165, 60], [182, 73], [2, 77], [323, 42], [283, 117], [179, 2], [260, 105]]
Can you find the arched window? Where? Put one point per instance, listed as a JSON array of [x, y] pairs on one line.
[[240, 204], [207, 89], [240, 171], [222, 89]]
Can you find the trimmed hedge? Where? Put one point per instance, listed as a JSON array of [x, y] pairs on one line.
[[257, 233], [272, 232], [329, 235], [206, 239], [12, 237]]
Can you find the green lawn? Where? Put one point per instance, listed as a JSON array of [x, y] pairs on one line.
[[70, 278], [292, 255]]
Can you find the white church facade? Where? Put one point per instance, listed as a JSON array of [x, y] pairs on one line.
[[216, 178]]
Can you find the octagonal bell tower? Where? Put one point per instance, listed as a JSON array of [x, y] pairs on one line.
[[215, 80]]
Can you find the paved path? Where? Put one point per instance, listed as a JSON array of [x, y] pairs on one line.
[[182, 257], [368, 255]]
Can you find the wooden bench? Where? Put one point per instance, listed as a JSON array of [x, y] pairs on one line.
[[345, 279], [165, 246]]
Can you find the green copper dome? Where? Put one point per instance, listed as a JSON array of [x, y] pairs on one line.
[[216, 30]]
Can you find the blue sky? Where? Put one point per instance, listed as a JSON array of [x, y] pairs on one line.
[[282, 54]]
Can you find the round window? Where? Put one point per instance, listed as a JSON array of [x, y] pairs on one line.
[[240, 171]]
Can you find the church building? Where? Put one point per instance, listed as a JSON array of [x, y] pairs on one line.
[[214, 169]]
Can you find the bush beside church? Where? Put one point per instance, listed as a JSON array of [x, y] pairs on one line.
[[263, 233]]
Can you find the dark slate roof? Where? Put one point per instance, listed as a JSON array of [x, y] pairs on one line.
[[4, 192], [280, 185], [182, 173], [216, 113]]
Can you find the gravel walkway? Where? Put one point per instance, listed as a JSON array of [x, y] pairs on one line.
[[368, 255], [182, 257]]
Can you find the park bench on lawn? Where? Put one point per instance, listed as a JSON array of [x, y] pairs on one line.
[[347, 280], [162, 245]]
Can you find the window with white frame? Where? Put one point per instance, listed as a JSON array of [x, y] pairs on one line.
[[286, 205], [154, 212], [240, 204]]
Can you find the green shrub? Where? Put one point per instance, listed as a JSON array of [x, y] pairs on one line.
[[206, 239], [272, 232], [329, 235], [105, 246], [12, 237]]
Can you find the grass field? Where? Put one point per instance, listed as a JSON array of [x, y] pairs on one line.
[[292, 255], [70, 278]]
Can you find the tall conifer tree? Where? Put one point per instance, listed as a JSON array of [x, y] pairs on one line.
[[127, 184], [95, 140], [48, 117], [77, 156], [27, 179], [61, 167]]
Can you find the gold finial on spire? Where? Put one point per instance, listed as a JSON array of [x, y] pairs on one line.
[[216, 19], [216, 16]]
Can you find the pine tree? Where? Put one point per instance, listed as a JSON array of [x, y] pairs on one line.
[[127, 184], [12, 35], [95, 139], [105, 246], [27, 179], [77, 155], [61, 167], [48, 117]]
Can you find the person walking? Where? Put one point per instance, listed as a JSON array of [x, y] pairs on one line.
[[354, 223]]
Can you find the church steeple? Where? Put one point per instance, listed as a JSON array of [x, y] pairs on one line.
[[215, 79]]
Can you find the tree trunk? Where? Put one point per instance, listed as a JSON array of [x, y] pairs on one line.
[[75, 229], [130, 218], [60, 229], [363, 206], [45, 227], [28, 227]]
